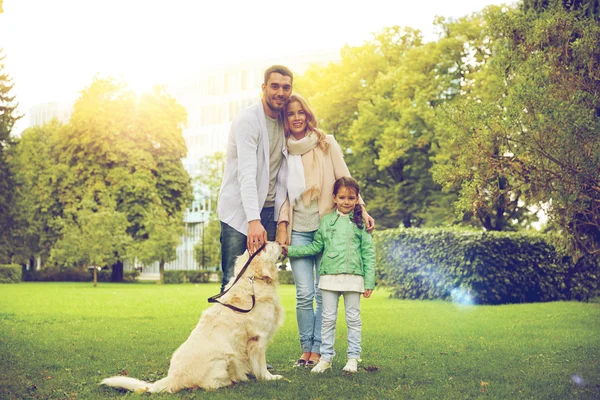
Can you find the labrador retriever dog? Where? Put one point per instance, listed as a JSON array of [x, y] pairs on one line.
[[227, 345]]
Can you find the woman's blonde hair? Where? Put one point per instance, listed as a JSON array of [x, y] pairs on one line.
[[312, 125]]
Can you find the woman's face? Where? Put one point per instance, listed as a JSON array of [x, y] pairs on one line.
[[296, 118]]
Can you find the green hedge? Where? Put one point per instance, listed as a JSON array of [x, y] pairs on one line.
[[55, 274], [481, 267], [286, 277], [192, 276], [184, 276], [10, 273]]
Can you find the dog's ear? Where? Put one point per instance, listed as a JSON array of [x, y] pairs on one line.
[[268, 272]]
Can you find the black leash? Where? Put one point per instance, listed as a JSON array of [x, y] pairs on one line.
[[214, 298]]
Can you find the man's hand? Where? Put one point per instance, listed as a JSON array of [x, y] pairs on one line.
[[282, 234], [257, 235], [368, 219], [367, 293]]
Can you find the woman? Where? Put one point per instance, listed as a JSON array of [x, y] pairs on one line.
[[315, 162]]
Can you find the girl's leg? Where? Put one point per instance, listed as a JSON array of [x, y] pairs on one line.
[[303, 271], [316, 347], [330, 310], [352, 305]]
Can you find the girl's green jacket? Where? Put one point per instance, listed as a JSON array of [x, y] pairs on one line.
[[347, 249]]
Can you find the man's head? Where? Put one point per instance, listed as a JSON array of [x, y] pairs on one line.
[[277, 89]]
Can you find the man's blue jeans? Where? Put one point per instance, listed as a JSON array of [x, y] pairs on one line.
[[234, 243], [308, 295]]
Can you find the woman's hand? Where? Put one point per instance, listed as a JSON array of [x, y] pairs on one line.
[[282, 235], [368, 220], [367, 293]]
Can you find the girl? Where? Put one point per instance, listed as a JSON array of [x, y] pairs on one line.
[[315, 161], [347, 268]]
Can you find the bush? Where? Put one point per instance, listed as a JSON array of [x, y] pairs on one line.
[[482, 267], [286, 277], [183, 276], [130, 276], [173, 276], [55, 274], [10, 273]]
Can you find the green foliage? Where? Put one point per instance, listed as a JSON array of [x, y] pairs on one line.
[[527, 133], [36, 175], [380, 102], [110, 184], [488, 267], [184, 276], [207, 251], [286, 277], [581, 8], [56, 274], [10, 273], [10, 225], [91, 236]]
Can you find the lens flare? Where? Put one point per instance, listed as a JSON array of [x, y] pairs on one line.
[[577, 380], [461, 296]]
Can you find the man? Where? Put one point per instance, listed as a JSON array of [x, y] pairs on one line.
[[254, 181]]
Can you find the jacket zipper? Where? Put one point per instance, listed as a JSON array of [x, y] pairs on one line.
[[348, 250]]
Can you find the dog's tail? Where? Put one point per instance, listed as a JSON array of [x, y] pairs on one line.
[[136, 385]]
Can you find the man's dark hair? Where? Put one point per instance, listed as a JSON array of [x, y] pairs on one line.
[[280, 69]]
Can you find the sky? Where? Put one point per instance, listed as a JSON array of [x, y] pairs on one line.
[[53, 48]]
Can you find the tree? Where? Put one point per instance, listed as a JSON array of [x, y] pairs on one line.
[[92, 236], [8, 221], [116, 151], [540, 126], [380, 103], [581, 8], [490, 197], [207, 250], [34, 163], [163, 235]]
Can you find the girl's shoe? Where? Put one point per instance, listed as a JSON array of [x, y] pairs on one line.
[[351, 365], [313, 360], [321, 367]]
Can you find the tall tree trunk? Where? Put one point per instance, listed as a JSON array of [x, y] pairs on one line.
[[161, 270], [95, 276], [117, 272]]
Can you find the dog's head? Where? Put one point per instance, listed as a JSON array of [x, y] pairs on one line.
[[264, 265]]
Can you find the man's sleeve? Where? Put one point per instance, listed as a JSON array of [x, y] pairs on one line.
[[246, 136]]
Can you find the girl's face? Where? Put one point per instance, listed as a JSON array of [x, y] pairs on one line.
[[345, 199], [296, 119]]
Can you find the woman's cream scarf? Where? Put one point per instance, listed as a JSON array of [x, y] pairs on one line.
[[305, 169]]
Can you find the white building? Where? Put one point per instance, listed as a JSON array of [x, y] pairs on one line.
[[45, 112]]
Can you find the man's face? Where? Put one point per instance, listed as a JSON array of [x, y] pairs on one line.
[[277, 91]]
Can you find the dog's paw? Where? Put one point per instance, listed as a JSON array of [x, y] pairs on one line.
[[271, 377]]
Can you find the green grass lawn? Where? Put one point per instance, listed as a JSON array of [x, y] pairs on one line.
[[58, 340]]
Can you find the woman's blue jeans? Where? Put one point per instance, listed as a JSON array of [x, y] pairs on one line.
[[308, 295]]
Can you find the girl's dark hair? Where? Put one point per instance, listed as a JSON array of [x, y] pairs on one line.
[[350, 183]]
